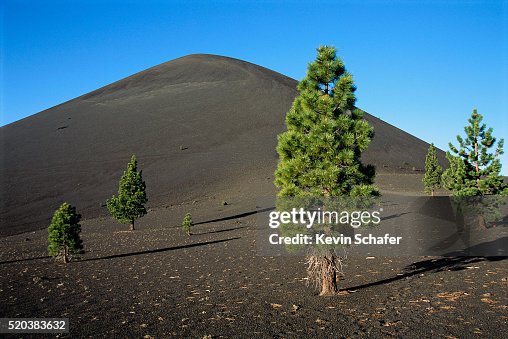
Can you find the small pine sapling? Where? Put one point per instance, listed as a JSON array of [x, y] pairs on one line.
[[187, 223]]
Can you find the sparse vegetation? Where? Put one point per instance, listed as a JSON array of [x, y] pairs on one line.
[[319, 154], [129, 204], [187, 223], [63, 233], [433, 172]]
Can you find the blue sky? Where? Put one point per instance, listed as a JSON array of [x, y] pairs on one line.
[[419, 65]]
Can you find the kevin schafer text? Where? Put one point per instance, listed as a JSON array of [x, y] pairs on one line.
[[324, 239]]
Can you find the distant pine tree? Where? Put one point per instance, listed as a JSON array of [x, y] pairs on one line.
[[474, 171], [474, 174], [319, 154], [63, 233], [187, 223], [433, 171], [129, 204]]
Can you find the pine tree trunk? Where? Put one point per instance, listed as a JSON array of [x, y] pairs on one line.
[[328, 276], [476, 164], [132, 225], [329, 285], [66, 255], [433, 193], [482, 224]]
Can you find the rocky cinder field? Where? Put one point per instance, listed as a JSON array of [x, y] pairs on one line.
[[158, 282]]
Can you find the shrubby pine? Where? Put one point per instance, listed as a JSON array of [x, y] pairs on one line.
[[433, 172], [63, 233], [129, 204]]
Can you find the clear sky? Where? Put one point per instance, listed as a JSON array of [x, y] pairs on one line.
[[419, 65]]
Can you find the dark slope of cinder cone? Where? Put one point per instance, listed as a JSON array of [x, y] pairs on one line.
[[196, 124], [393, 150]]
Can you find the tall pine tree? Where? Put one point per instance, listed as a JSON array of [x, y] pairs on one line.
[[129, 205], [433, 171], [63, 233], [319, 154]]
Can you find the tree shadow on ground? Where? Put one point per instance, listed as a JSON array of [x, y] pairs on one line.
[[236, 216], [430, 266], [158, 250], [393, 216], [20, 260], [220, 231], [494, 248]]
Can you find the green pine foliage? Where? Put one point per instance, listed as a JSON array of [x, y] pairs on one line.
[[455, 176], [63, 233], [129, 204], [319, 154], [433, 171], [474, 168], [187, 223]]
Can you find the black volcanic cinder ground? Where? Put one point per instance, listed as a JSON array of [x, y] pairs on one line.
[[197, 124], [157, 282]]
